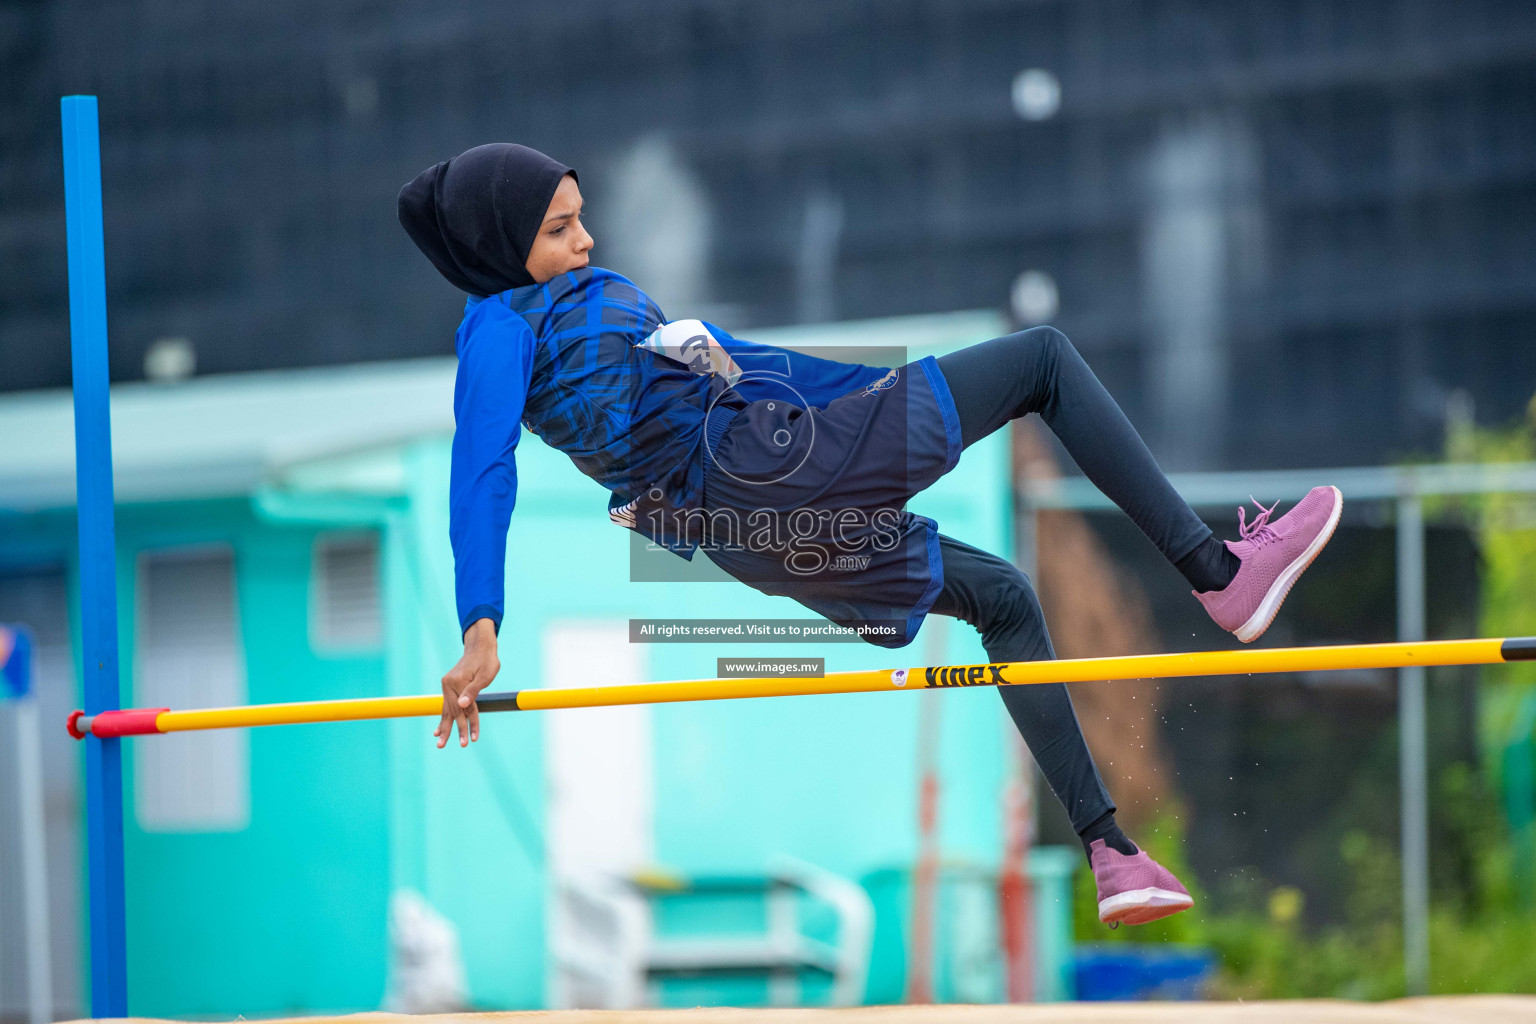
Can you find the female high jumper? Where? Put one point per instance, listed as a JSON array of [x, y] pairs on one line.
[[792, 473]]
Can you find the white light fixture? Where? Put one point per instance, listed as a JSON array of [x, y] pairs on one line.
[[1036, 94], [1034, 298], [170, 359]]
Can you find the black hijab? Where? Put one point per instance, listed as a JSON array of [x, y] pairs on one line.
[[476, 216]]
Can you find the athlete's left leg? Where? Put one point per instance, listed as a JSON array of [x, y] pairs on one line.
[[995, 596]]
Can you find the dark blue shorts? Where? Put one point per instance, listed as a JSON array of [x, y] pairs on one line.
[[811, 503]]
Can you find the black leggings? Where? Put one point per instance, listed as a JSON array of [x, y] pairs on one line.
[[1038, 370]]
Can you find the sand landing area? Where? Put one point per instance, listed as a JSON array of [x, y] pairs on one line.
[[1429, 1010]]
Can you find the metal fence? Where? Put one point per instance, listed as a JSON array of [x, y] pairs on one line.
[[1405, 487]]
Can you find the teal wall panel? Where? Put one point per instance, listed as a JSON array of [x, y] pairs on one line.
[[287, 914]]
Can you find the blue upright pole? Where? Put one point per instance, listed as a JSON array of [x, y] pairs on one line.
[[98, 551]]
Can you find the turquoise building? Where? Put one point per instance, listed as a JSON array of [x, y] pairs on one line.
[[283, 537]]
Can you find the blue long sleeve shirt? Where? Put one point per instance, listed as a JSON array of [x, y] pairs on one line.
[[563, 358]]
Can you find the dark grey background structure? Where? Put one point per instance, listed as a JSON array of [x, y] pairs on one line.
[[1310, 221]]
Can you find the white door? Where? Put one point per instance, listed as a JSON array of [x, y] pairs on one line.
[[598, 816]]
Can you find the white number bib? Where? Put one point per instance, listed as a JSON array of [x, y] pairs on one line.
[[690, 343]]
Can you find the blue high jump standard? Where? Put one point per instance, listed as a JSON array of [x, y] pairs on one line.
[[98, 551]]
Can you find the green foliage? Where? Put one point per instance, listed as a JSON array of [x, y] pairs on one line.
[[1489, 954], [1506, 532], [1267, 956], [1480, 940]]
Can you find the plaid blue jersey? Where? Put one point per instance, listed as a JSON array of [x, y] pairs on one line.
[[563, 359]]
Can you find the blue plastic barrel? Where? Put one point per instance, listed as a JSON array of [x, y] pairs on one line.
[[1124, 970]]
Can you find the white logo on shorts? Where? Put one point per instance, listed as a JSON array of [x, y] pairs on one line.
[[883, 384]]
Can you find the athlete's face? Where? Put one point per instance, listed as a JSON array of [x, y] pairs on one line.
[[562, 243]]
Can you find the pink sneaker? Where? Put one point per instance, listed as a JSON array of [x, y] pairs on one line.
[[1272, 556], [1135, 889]]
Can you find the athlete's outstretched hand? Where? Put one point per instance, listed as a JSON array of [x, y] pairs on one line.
[[464, 682]]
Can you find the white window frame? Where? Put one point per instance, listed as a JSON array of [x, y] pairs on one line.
[[219, 758], [319, 640]]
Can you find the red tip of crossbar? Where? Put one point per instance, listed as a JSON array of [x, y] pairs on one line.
[[108, 725], [74, 729], [135, 722]]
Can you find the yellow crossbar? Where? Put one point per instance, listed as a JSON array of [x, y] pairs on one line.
[[1020, 673]]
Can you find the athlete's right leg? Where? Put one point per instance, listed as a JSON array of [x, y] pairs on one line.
[[1040, 371], [1240, 583]]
